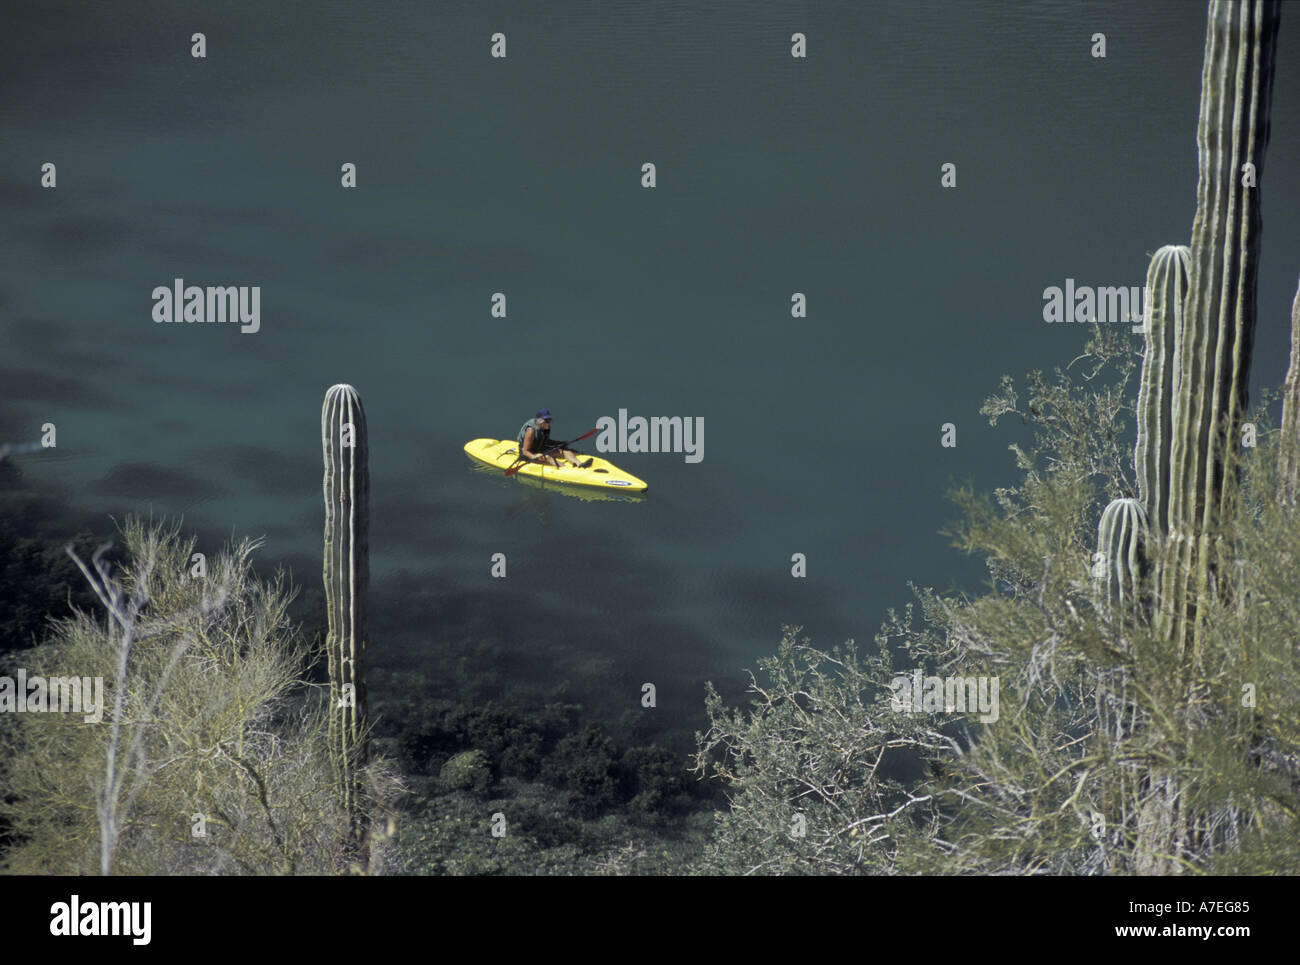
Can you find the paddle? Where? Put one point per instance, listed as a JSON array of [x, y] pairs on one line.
[[516, 466]]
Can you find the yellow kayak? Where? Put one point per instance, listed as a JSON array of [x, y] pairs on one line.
[[601, 474]]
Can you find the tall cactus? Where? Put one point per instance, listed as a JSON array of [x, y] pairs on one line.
[[1187, 446], [347, 575], [1122, 539], [1214, 367]]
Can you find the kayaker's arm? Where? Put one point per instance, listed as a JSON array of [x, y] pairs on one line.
[[526, 449]]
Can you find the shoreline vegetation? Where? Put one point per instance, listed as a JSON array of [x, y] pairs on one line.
[[577, 800], [821, 770]]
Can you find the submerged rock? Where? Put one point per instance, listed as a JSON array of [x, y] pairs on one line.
[[467, 771]]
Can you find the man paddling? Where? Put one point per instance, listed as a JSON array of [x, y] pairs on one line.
[[535, 438]]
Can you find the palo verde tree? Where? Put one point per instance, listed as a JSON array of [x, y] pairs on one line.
[[209, 755]]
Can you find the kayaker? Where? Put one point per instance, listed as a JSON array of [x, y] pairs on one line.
[[535, 438]]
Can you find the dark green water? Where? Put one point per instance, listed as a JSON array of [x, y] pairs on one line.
[[478, 175]]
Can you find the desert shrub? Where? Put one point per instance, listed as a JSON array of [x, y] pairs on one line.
[[1112, 752], [210, 757], [817, 767]]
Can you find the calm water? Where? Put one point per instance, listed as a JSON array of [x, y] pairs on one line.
[[479, 175]]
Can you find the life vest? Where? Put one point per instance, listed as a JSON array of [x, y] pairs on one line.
[[541, 437]]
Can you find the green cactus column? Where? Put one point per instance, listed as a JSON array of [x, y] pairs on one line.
[[347, 575], [1213, 371], [1122, 539], [1204, 366], [1166, 287], [1289, 447]]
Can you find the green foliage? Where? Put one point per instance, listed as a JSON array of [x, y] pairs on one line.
[[817, 767], [1064, 783], [215, 720], [1093, 701], [1080, 435], [654, 781]]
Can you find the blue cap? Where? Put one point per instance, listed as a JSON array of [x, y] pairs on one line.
[[543, 413]]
